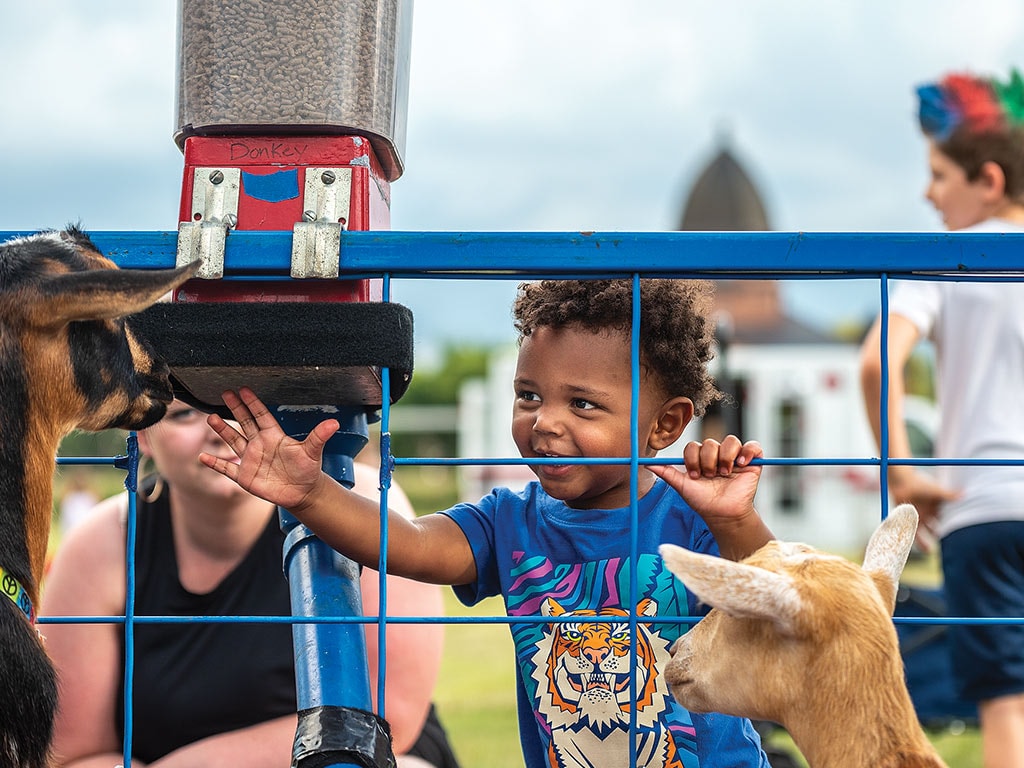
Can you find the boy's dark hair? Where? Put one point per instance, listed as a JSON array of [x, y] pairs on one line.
[[974, 120], [676, 329], [971, 150]]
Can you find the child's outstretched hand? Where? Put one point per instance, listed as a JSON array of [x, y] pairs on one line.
[[272, 465], [719, 483]]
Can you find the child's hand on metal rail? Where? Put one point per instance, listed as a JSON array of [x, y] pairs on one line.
[[719, 479]]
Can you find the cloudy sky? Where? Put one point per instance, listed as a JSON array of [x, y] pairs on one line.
[[535, 115]]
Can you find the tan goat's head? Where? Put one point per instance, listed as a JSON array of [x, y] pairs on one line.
[[787, 620], [66, 350]]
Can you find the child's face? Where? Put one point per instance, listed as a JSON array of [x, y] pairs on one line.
[[960, 202], [573, 399]]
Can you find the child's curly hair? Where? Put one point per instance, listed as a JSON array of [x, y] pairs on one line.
[[676, 329]]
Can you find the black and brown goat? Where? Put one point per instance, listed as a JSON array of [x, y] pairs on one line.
[[67, 361]]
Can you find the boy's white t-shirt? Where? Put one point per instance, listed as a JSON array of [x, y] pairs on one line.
[[978, 332]]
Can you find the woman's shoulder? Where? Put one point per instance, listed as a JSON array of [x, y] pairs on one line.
[[100, 536], [93, 554]]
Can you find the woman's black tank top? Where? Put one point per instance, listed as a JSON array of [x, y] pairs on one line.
[[193, 680]]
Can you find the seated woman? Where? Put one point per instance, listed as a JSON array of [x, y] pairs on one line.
[[209, 694]]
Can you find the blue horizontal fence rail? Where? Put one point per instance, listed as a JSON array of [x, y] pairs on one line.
[[255, 256], [752, 255]]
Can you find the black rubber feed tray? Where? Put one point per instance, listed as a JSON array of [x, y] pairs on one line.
[[289, 353]]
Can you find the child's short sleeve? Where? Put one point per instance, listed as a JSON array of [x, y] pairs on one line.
[[477, 524], [918, 301]]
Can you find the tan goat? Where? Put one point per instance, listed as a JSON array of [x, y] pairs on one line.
[[67, 360], [805, 639]]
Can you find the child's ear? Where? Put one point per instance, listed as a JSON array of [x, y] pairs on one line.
[[675, 414], [993, 178]]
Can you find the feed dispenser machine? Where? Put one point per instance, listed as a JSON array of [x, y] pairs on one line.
[[291, 116]]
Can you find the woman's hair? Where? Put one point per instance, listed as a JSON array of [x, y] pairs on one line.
[[676, 329], [974, 120]]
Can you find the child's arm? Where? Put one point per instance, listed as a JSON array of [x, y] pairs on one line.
[[906, 483], [719, 484], [287, 472]]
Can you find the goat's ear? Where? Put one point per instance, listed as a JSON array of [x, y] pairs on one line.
[[737, 589], [102, 294], [888, 549]]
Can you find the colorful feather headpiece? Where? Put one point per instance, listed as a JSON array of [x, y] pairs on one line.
[[981, 105]]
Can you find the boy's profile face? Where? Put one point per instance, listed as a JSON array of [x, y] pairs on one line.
[[573, 399], [960, 202]]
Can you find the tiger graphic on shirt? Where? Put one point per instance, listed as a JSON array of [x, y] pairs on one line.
[[582, 670]]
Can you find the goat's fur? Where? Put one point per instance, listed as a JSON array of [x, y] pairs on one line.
[[805, 639], [68, 360]]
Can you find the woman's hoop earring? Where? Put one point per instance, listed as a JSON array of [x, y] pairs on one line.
[[158, 485]]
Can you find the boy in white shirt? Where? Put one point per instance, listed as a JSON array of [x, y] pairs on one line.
[[975, 132]]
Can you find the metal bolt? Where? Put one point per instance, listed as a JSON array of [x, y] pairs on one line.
[[216, 177], [230, 220], [328, 177], [309, 215]]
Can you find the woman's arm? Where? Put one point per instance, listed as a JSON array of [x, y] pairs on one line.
[[87, 579], [264, 745]]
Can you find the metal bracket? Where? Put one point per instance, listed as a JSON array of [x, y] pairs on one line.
[[214, 212], [316, 240]]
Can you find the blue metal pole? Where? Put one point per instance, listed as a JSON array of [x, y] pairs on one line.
[[331, 670]]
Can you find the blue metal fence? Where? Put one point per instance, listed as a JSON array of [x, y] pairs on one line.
[[389, 255]]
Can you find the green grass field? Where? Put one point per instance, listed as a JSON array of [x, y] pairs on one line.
[[476, 695]]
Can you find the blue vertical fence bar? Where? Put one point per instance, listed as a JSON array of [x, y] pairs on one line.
[[447, 255], [386, 471], [883, 405], [323, 583], [131, 483], [634, 505]]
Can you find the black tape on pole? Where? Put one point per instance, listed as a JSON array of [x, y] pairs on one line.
[[331, 735]]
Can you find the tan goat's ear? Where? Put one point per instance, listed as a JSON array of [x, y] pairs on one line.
[[739, 590], [888, 549], [102, 294]]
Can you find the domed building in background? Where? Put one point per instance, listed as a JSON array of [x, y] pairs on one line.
[[724, 198], [792, 387]]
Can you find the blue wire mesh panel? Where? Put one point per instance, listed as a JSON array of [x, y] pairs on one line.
[[517, 256]]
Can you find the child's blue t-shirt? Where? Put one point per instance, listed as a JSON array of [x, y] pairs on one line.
[[572, 679]]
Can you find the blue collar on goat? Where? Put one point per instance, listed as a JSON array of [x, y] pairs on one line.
[[11, 587]]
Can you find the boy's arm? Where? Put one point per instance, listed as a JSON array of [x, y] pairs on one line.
[[906, 483], [287, 472], [903, 335], [430, 548], [719, 483]]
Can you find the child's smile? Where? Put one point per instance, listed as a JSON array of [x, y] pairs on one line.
[[573, 396]]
